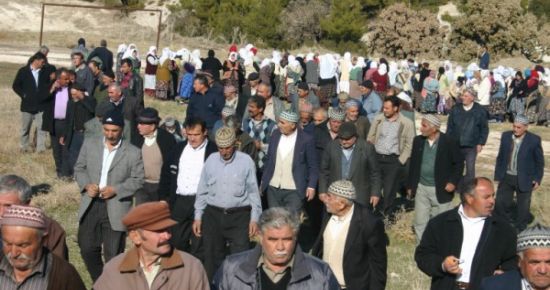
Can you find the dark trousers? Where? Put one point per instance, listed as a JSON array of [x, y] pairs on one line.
[[74, 148], [149, 192], [391, 171], [183, 211], [290, 199], [221, 232], [60, 152], [505, 202], [470, 155], [94, 232]]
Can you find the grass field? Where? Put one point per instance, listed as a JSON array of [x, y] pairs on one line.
[[62, 201]]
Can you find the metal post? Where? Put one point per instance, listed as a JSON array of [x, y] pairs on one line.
[[158, 30], [42, 24]]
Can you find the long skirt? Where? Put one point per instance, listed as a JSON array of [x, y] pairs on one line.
[[354, 90], [149, 82], [429, 104], [497, 106], [162, 88]]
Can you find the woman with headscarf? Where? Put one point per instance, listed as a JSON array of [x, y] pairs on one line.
[[497, 108], [392, 73], [430, 91], [120, 53], [327, 79], [345, 68], [356, 76], [133, 54], [151, 64], [381, 80], [443, 91], [373, 66], [232, 71], [186, 85], [519, 92], [312, 71], [163, 75], [294, 74]]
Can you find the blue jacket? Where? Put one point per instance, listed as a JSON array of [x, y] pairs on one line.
[[372, 105], [510, 280], [305, 166], [240, 271], [530, 160], [471, 127], [484, 61], [207, 107]]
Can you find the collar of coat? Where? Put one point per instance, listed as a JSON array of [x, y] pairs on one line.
[[130, 263], [246, 271]]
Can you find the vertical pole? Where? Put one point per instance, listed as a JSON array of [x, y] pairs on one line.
[[42, 24], [158, 29]]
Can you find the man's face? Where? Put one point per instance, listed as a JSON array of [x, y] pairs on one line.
[[22, 246], [482, 202], [229, 96], [152, 242], [226, 152], [77, 60], [114, 94], [467, 99], [145, 129], [195, 135], [286, 127], [7, 200], [535, 267], [76, 94], [198, 86], [519, 129], [63, 79], [38, 63], [263, 91], [112, 133], [347, 143], [389, 110], [305, 118], [302, 93], [95, 70], [352, 113], [253, 84], [335, 125], [426, 128], [125, 68], [278, 245], [106, 80], [333, 203], [253, 110], [318, 118], [364, 90]]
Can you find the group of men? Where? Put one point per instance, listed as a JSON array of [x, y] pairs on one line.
[[314, 180]]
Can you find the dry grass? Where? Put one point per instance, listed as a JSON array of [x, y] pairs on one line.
[[62, 201]]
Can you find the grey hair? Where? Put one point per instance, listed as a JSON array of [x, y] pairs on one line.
[[322, 111], [278, 217], [116, 87], [16, 184], [470, 91], [44, 49]]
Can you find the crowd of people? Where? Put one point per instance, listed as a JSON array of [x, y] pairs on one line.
[[284, 173]]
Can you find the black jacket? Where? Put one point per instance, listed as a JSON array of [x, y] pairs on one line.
[[165, 141], [365, 257], [170, 169], [322, 138], [106, 57], [130, 110], [510, 280], [84, 110], [213, 66], [471, 127], [443, 237], [34, 98], [449, 164], [242, 102]]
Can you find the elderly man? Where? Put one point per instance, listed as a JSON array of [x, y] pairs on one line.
[[353, 110], [108, 171], [152, 263], [351, 158], [352, 240], [277, 263], [328, 130], [462, 246], [468, 123], [156, 146], [433, 151], [273, 106], [519, 169], [291, 171], [129, 107], [228, 203], [320, 115], [231, 96], [15, 190], [534, 257], [306, 118], [25, 262], [392, 135]]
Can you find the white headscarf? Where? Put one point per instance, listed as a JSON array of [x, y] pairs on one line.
[[309, 57], [373, 64], [165, 55], [473, 67], [265, 62], [276, 57], [196, 59], [382, 69], [122, 48], [392, 74], [152, 50], [449, 70], [360, 62], [233, 56], [128, 53], [327, 66], [185, 55]]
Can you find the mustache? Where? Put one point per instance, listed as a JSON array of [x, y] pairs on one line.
[[280, 254]]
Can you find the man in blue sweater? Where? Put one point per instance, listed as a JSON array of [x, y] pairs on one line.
[[205, 103]]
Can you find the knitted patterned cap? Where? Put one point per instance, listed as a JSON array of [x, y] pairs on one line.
[[289, 116], [336, 114], [25, 216], [228, 111], [225, 137], [521, 119], [432, 119], [343, 188], [537, 236], [353, 103]]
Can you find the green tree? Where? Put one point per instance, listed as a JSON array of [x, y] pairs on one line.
[[345, 25]]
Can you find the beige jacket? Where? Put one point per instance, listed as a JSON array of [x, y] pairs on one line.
[[406, 135]]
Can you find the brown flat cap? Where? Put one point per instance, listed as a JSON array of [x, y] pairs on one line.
[[151, 216]]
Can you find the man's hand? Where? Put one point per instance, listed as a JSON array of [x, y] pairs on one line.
[[62, 141], [92, 190], [450, 265], [410, 194], [107, 192], [252, 229], [197, 228], [258, 144], [479, 148], [322, 196], [535, 185], [310, 193], [450, 187], [374, 201]]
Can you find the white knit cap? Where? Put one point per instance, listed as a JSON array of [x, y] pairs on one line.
[[537, 236], [290, 116], [343, 188], [225, 137]]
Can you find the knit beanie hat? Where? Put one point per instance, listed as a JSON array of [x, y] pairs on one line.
[[343, 188], [25, 216], [289, 116], [225, 137], [228, 111], [336, 114], [432, 119], [537, 236]]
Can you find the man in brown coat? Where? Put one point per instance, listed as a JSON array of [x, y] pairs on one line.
[[153, 263]]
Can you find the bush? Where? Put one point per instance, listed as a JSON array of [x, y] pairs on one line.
[[300, 22], [345, 25], [402, 32]]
